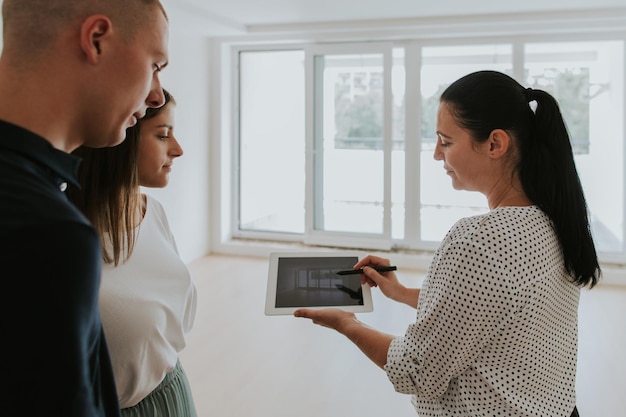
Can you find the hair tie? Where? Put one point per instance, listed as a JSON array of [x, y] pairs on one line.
[[529, 93], [532, 102]]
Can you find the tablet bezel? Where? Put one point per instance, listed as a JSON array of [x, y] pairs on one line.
[[272, 282]]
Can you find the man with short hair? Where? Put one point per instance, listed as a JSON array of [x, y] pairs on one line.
[[72, 73]]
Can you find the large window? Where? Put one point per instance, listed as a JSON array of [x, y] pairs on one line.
[[335, 142], [271, 142]]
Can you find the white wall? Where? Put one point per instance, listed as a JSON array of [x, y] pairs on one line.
[[186, 198]]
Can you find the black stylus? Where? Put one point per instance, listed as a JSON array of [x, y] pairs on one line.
[[360, 271]]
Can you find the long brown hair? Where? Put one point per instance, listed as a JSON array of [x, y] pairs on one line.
[[109, 195]]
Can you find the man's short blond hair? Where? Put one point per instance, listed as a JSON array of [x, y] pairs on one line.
[[31, 25]]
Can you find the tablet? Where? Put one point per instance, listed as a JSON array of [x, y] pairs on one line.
[[310, 280]]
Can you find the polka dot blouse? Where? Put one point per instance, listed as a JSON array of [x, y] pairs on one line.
[[496, 329]]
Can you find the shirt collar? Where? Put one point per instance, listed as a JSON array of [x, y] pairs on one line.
[[40, 150]]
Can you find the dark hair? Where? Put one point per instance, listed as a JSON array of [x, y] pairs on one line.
[[109, 195], [486, 100]]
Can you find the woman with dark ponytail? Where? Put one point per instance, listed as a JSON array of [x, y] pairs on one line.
[[488, 100], [496, 330]]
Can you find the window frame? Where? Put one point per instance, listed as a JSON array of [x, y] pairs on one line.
[[411, 244], [314, 124]]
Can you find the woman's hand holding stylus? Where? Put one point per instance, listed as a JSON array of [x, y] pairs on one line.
[[386, 281]]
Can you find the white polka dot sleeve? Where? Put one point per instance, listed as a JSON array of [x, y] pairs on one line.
[[496, 327]]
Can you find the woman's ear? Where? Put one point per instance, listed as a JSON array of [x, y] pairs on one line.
[[499, 143], [94, 32]]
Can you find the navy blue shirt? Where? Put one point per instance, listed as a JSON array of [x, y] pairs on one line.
[[54, 358]]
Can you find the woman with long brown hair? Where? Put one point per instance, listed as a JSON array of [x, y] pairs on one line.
[[147, 297]]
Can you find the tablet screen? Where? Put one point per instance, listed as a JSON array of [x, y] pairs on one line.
[[310, 280]]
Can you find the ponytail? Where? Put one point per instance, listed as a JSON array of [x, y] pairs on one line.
[[550, 179]]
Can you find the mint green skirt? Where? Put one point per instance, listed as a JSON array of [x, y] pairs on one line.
[[172, 398]]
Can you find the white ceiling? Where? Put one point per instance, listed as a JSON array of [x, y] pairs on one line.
[[238, 17]]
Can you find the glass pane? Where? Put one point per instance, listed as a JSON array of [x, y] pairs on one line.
[[398, 148], [272, 141], [349, 143], [587, 78], [441, 205]]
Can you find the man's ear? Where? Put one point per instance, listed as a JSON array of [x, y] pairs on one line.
[[93, 32], [499, 143]]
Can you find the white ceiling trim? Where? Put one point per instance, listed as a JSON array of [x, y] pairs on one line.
[[612, 16], [188, 16], [487, 25]]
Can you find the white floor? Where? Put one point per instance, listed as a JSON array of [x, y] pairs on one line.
[[242, 363]]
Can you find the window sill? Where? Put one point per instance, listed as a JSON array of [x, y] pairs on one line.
[[612, 274]]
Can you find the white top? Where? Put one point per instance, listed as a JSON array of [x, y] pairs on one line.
[[148, 304], [496, 330]]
